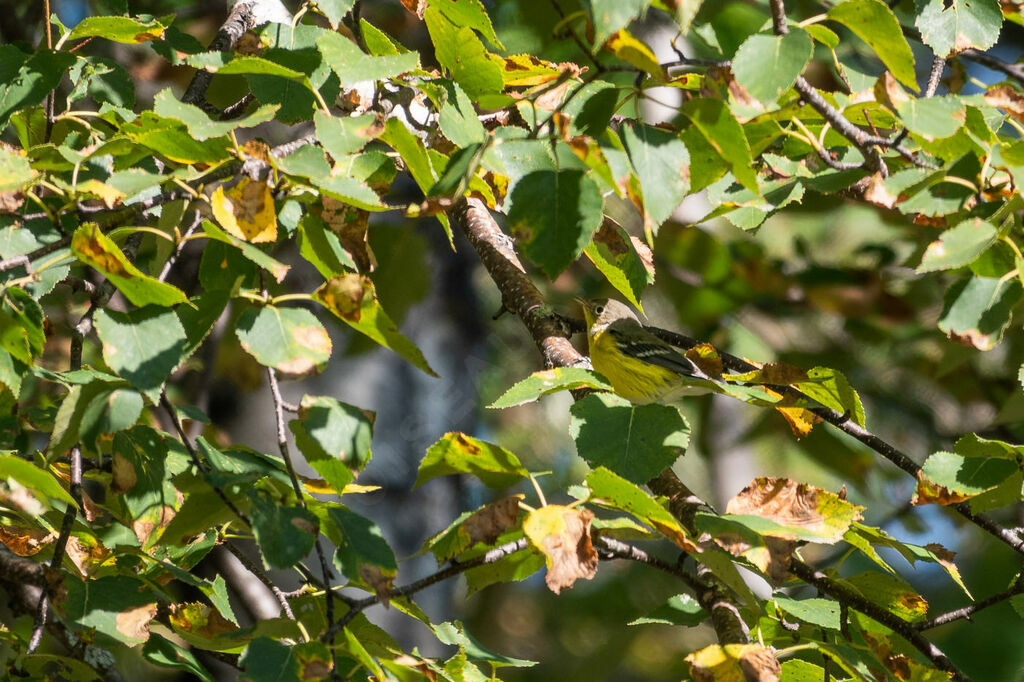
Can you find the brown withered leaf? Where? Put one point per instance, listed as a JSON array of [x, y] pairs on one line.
[[255, 149], [734, 663], [134, 623], [877, 194], [487, 524], [11, 201], [706, 357], [248, 45], [562, 534], [144, 527], [25, 540], [417, 7], [889, 92], [379, 581]]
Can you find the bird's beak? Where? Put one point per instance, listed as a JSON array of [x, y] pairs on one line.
[[582, 301]]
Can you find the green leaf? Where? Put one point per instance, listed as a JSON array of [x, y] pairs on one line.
[[119, 29], [681, 609], [15, 171], [118, 606], [553, 215], [353, 65], [952, 26], [268, 660], [110, 412], [199, 123], [933, 117], [611, 490], [550, 381], [967, 476], [284, 534], [463, 54], [167, 654], [816, 611], [767, 66], [662, 164], [334, 437], [38, 481], [458, 119], [611, 15], [454, 633], [343, 136], [958, 246], [823, 35], [634, 441], [171, 139], [95, 249], [457, 453], [891, 592], [21, 325], [470, 13], [353, 298], [363, 555], [978, 309], [37, 76], [335, 10], [876, 25], [291, 340], [143, 346], [615, 254], [251, 252], [723, 134], [830, 388]]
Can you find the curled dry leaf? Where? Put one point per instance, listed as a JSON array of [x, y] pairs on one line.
[[1008, 99], [562, 534], [877, 194], [929, 492]]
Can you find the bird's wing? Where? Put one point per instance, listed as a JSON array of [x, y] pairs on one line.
[[643, 345]]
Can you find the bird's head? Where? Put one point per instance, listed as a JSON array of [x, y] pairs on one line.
[[601, 312]]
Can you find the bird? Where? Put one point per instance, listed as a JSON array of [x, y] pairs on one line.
[[639, 366]]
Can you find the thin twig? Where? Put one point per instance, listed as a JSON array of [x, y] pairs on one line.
[[853, 599], [490, 557], [282, 444], [971, 609], [263, 578], [173, 258]]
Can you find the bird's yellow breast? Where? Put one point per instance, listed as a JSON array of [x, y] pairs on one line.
[[635, 380]]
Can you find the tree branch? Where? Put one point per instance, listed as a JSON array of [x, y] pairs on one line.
[[357, 607], [971, 609], [282, 444], [853, 599]]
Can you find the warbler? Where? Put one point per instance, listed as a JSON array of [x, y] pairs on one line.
[[640, 367]]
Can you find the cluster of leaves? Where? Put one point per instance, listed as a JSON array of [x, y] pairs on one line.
[[104, 195]]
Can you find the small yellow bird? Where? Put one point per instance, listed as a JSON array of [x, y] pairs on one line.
[[640, 367]]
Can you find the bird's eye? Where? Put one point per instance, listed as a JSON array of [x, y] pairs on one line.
[[599, 309]]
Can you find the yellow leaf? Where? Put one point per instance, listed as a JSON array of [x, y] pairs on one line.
[[562, 534], [627, 48], [246, 211]]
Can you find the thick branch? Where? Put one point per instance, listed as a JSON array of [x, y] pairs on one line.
[[241, 19]]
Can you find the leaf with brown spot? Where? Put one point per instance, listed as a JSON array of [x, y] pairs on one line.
[[351, 225], [706, 357], [801, 511], [876, 192], [525, 70], [123, 476], [624, 260], [484, 525], [198, 620], [95, 249], [562, 534], [734, 663], [291, 340], [353, 298], [1007, 98], [457, 453], [246, 211]]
